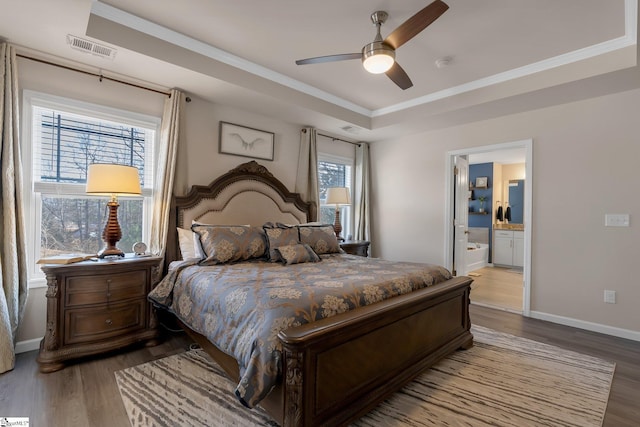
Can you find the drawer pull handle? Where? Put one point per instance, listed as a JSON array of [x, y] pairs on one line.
[[108, 321]]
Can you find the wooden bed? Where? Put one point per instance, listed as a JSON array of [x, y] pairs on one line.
[[338, 368]]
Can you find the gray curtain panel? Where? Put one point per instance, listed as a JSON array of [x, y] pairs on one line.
[[165, 172], [13, 263], [361, 193], [307, 176]]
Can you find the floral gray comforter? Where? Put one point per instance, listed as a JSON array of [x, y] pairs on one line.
[[242, 307]]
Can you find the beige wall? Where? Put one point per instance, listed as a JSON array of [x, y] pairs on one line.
[[513, 171], [198, 158], [585, 161], [198, 163]]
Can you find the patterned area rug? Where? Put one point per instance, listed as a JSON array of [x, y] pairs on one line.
[[502, 381]]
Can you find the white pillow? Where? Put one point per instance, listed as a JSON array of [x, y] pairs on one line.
[[189, 243]]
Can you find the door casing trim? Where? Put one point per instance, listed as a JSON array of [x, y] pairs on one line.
[[527, 144]]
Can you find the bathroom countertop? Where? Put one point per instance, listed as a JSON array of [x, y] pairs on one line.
[[515, 227]]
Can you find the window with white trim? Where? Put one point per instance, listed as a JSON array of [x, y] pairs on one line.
[[334, 171], [61, 138]]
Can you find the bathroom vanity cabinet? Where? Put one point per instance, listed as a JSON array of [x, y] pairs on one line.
[[508, 248]]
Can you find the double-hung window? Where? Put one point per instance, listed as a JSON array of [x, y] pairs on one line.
[[61, 138], [334, 171]]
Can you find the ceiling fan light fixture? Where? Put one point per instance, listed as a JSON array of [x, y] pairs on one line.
[[377, 57]]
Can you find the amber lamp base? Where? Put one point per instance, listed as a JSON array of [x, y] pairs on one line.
[[111, 233]]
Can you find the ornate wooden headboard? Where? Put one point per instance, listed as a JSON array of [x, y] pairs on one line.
[[247, 194]]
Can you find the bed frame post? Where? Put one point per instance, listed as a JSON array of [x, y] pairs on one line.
[[172, 251], [293, 402]]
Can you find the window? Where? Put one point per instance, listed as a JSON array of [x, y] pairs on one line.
[[335, 172], [62, 138]]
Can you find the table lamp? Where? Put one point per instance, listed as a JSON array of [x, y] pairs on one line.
[[338, 196], [112, 180]]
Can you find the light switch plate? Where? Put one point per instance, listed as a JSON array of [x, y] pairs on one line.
[[616, 220]]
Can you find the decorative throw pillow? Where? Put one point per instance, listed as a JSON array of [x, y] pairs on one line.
[[279, 235], [189, 243], [321, 238], [296, 254], [228, 243]]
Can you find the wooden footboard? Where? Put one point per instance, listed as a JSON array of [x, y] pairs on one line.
[[340, 368]]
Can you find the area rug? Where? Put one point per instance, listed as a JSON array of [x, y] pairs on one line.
[[502, 380]]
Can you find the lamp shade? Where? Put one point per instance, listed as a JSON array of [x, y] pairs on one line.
[[109, 179], [338, 196]]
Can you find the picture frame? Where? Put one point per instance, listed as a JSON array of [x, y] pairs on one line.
[[482, 182], [245, 141]]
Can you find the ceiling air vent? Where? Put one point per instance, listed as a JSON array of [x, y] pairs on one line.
[[88, 46], [351, 129]]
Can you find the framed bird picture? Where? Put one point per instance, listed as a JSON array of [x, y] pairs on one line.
[[245, 141]]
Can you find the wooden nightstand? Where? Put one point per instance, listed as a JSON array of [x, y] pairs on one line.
[[356, 247], [97, 306]]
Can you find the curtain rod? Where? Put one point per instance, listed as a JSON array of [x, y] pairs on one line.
[[333, 138], [100, 76]]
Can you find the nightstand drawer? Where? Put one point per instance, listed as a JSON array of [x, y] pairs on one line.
[[93, 324], [100, 289]]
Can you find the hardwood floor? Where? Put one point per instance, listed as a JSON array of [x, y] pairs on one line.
[[82, 394], [86, 394], [497, 287]]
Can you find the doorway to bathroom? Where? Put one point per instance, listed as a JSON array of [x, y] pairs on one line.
[[497, 287], [491, 215]]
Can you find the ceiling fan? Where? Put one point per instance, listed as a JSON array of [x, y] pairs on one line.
[[379, 56]]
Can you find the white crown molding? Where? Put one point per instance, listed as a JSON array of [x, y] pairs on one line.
[[121, 17], [629, 39], [139, 24], [527, 70]]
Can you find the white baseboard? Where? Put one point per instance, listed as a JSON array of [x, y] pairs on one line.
[[476, 266], [589, 326], [28, 345]]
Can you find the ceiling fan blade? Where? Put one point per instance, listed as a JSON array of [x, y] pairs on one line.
[[418, 22], [399, 76], [329, 58]]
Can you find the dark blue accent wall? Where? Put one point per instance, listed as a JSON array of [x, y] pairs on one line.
[[476, 219], [516, 201]]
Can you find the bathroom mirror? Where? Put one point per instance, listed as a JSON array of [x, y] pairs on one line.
[[516, 200]]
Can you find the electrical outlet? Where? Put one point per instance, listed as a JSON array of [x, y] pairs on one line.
[[616, 220], [610, 297]]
